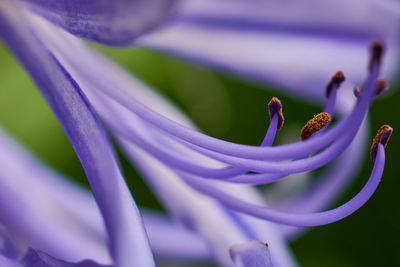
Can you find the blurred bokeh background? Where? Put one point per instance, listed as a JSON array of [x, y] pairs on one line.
[[232, 109]]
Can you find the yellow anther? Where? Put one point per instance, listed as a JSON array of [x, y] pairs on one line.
[[275, 107], [382, 137], [314, 125]]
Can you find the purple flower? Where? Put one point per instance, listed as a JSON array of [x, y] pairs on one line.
[[204, 183]]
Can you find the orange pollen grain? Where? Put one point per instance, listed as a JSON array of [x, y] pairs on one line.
[[314, 125]]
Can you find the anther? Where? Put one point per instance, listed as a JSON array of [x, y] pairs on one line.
[[382, 86], [314, 125], [275, 108], [377, 49], [382, 137], [335, 82], [266, 244]]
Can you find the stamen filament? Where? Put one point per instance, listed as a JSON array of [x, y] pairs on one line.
[[293, 219]]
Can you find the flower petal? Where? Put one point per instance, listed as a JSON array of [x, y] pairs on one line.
[[127, 237], [113, 22]]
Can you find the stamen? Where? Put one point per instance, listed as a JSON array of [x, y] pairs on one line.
[[295, 219], [314, 125], [382, 137], [275, 108], [377, 49], [335, 82]]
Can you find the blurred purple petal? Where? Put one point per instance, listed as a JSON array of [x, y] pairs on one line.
[[115, 22]]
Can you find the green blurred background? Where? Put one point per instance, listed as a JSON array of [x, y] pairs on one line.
[[234, 110]]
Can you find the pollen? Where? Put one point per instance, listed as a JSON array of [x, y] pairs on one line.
[[266, 244], [275, 108], [382, 137], [314, 125], [335, 82]]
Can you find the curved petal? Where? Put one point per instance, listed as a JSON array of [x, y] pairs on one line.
[[291, 44], [115, 22], [127, 237]]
